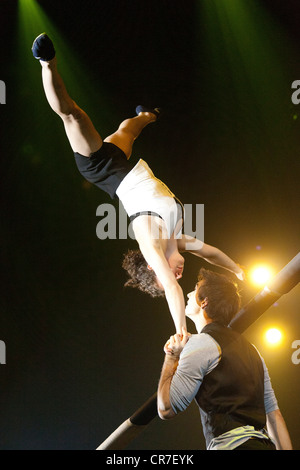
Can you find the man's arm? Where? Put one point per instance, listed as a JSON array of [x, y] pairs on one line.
[[164, 408], [211, 254], [278, 431], [275, 423], [172, 349]]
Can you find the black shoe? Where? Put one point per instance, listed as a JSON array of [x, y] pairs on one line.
[[142, 109], [42, 48]]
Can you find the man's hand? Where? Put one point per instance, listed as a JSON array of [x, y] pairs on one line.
[[176, 343], [172, 348]]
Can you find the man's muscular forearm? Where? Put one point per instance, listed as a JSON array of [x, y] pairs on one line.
[[164, 407], [173, 349]]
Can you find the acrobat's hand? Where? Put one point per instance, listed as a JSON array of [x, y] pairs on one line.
[[241, 275], [176, 343]]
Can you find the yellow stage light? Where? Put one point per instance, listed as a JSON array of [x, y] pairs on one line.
[[260, 275], [273, 336]]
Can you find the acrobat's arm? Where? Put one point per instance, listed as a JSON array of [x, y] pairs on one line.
[[210, 253], [155, 258]]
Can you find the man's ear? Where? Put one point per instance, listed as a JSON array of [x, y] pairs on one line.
[[202, 303], [149, 267]]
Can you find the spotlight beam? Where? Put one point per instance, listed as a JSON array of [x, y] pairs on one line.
[[281, 284]]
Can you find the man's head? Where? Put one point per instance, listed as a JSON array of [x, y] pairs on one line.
[[216, 295], [142, 275]]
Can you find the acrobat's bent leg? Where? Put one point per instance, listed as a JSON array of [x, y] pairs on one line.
[[80, 130], [129, 130]]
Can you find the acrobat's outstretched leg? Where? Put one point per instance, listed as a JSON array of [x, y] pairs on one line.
[[82, 135], [80, 130]]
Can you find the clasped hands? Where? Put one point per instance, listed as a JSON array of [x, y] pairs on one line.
[[176, 343]]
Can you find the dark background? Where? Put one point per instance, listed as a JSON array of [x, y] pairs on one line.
[[83, 353]]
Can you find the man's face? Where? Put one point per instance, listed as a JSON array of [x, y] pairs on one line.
[[192, 307]]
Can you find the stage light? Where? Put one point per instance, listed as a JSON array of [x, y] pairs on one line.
[[273, 336], [260, 275]]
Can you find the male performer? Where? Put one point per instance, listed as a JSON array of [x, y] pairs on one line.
[[157, 216], [223, 372]]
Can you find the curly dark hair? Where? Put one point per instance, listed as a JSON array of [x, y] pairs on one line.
[[224, 300], [140, 276]]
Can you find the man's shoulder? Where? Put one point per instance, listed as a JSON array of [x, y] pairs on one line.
[[201, 353], [201, 341]]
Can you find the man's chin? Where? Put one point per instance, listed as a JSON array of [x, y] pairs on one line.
[[189, 314]]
